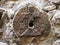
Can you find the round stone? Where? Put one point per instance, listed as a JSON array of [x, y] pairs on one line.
[[29, 21]]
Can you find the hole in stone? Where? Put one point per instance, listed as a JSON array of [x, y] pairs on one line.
[[0, 19], [1, 14], [31, 24]]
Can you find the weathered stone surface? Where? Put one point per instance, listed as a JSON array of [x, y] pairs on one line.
[[29, 21], [49, 8], [3, 18], [56, 1], [51, 14], [56, 17], [2, 43], [57, 42], [24, 15], [9, 4]]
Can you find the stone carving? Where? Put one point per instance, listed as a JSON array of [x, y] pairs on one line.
[[29, 21]]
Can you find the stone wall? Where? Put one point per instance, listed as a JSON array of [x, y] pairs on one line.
[[9, 10]]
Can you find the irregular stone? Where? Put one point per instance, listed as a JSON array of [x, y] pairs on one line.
[[56, 17], [57, 29], [10, 13], [2, 43], [53, 20], [56, 22], [9, 4], [56, 2], [29, 21], [57, 35], [49, 8], [43, 3], [51, 14], [8, 33], [57, 42], [13, 44]]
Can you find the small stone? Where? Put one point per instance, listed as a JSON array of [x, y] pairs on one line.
[[10, 13], [9, 4], [48, 8], [56, 2], [57, 29], [53, 20], [58, 35], [2, 43], [57, 17], [57, 42], [13, 44], [51, 14]]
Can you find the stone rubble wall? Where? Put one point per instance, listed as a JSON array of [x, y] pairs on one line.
[[8, 36]]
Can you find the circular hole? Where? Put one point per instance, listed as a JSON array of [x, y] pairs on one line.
[[31, 24]]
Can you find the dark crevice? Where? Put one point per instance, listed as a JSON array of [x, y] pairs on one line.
[[1, 20], [31, 24], [0, 15]]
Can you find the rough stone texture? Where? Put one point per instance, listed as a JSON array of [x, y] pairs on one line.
[[56, 2], [29, 21], [1, 43], [57, 42], [9, 36], [49, 8]]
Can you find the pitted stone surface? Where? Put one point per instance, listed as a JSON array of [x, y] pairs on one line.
[[33, 23], [29, 21]]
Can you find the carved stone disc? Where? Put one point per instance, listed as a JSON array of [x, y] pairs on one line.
[[29, 21]]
